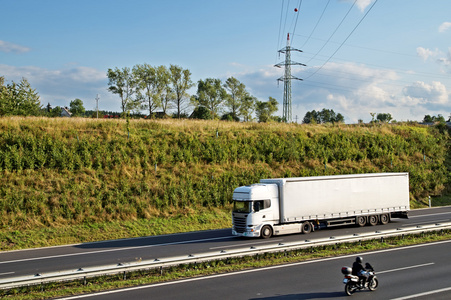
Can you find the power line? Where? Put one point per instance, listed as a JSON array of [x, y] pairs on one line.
[[408, 72], [361, 47], [333, 33], [297, 15], [316, 25], [345, 38], [280, 26]]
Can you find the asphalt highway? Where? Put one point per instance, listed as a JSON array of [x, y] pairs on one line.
[[72, 257], [419, 271]]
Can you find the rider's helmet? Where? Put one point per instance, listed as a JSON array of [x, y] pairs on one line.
[[359, 259]]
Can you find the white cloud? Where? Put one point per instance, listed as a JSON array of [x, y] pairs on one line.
[[351, 89], [446, 61], [427, 53], [444, 26], [420, 93], [361, 4], [14, 48]]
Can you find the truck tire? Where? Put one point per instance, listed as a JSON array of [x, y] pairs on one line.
[[384, 219], [266, 232], [361, 221], [306, 227], [373, 220]]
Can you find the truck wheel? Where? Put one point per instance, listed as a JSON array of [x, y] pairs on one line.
[[266, 232], [385, 218], [306, 227], [372, 220], [361, 221]]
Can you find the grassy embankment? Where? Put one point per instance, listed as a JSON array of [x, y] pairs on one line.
[[79, 180]]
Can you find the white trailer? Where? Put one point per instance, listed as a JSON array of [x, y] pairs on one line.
[[291, 205]]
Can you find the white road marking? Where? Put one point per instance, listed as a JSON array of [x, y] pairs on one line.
[[7, 273], [109, 250], [423, 294], [140, 247], [405, 268], [247, 271]]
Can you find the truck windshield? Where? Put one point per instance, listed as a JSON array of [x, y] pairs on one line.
[[242, 206]]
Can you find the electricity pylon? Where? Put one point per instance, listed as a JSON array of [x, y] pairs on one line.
[[286, 78]]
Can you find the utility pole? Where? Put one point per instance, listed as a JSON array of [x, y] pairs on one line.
[[286, 78], [97, 105]]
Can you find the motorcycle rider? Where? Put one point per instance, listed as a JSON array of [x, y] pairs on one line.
[[359, 270]]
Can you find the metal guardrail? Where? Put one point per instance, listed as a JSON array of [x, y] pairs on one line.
[[84, 273]]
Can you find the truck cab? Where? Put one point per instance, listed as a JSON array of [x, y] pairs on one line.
[[255, 210]]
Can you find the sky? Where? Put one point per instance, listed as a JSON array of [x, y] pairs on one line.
[[362, 57]]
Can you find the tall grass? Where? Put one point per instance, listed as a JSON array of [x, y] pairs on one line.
[[82, 171]]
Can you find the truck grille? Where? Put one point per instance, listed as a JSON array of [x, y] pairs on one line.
[[239, 224]]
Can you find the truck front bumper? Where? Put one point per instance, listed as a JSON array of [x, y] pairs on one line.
[[247, 233]]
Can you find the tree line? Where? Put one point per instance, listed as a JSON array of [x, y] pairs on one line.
[[146, 87]]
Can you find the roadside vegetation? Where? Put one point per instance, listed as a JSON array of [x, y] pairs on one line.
[[80, 180]]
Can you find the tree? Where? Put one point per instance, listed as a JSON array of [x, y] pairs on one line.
[[146, 86], [201, 113], [247, 107], [56, 112], [167, 98], [265, 110], [433, 119], [123, 83], [76, 108], [440, 118], [18, 99], [311, 117], [236, 94], [322, 117], [384, 117], [166, 93], [210, 94], [428, 119], [230, 117], [181, 83]]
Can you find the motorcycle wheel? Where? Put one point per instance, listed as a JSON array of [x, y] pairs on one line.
[[350, 288], [373, 284]]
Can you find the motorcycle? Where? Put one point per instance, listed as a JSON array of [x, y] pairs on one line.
[[354, 283]]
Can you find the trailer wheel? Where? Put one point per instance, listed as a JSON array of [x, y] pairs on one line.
[[266, 232], [373, 220], [384, 219], [361, 221], [306, 227]]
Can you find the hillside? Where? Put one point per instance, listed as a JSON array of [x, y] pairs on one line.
[[77, 180]]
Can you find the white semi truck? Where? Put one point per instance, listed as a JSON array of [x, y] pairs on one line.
[[293, 205]]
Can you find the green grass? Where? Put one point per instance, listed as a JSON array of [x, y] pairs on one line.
[[173, 222], [79, 180]]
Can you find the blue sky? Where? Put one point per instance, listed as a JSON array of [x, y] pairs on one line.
[[362, 57]]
